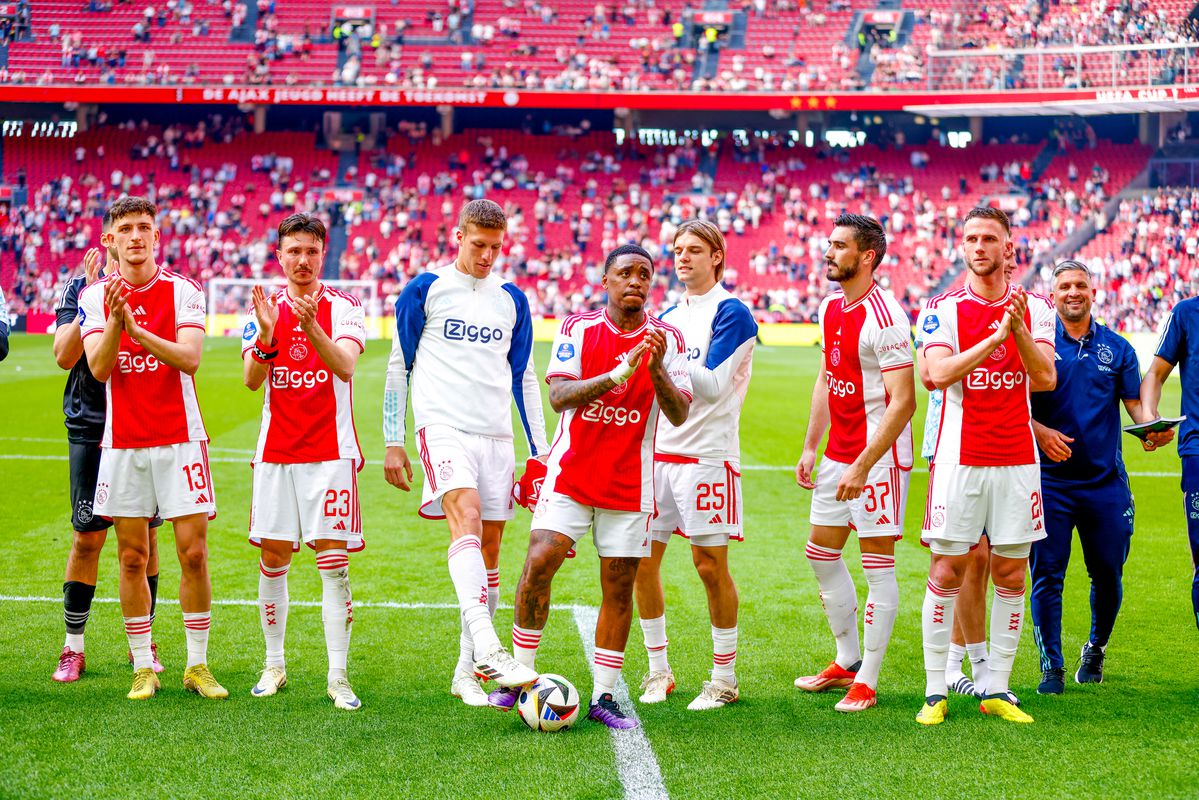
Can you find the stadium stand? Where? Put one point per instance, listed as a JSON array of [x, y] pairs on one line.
[[571, 198]]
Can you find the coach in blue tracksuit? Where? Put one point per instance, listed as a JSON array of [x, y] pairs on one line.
[[1084, 485]]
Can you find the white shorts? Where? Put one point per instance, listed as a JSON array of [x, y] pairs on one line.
[[878, 511], [963, 500], [172, 480], [453, 459], [617, 534], [305, 502], [700, 501]]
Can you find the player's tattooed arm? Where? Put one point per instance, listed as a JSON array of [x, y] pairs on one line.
[[574, 393], [675, 404], [547, 551]]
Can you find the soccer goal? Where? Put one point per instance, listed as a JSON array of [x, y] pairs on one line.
[[229, 302]]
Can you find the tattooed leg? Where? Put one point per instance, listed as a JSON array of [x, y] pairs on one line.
[[547, 551]]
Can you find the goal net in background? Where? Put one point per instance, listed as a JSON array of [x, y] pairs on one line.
[[229, 302]]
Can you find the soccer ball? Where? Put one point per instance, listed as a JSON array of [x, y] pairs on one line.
[[549, 704]]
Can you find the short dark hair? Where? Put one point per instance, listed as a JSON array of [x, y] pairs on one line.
[[987, 212], [106, 221], [626, 250], [131, 206], [1072, 265], [486, 214], [303, 223], [868, 234]]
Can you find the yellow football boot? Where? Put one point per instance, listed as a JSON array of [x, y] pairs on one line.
[[199, 679], [145, 684], [999, 707], [933, 712]]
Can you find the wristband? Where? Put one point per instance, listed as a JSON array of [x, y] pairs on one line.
[[263, 356], [621, 372]]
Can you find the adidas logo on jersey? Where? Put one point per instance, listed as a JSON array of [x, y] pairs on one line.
[[715, 520], [202, 499], [340, 526], [140, 311], [994, 326], [882, 520]]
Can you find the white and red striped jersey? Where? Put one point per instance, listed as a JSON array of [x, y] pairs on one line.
[[149, 403], [603, 453], [308, 412], [986, 419], [861, 341]]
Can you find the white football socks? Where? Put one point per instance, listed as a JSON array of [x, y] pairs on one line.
[[606, 664], [337, 608], [882, 606], [137, 631], [724, 654], [273, 602], [937, 623], [654, 632], [839, 599], [195, 627], [1007, 618], [465, 557], [525, 642]]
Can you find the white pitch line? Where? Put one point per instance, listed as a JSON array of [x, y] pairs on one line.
[[244, 460], [6, 598], [635, 761]]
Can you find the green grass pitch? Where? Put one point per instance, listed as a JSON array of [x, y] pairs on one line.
[[1133, 736]]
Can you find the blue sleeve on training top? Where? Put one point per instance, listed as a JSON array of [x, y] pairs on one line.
[[1172, 345], [1130, 371], [410, 315], [519, 351], [733, 326]]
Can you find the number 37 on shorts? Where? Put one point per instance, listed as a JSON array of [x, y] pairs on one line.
[[877, 512]]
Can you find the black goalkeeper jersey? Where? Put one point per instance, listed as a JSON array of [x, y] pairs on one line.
[[84, 401]]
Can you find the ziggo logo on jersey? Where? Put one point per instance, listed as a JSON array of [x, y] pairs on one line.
[[596, 411], [458, 330], [129, 363], [985, 379], [284, 378], [842, 388]]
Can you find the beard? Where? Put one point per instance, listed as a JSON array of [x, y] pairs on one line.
[[984, 270], [840, 273]]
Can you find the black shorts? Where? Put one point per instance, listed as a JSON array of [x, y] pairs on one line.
[[84, 460]]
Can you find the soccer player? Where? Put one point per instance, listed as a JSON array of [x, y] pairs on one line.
[[1083, 481], [697, 465], [143, 332], [303, 344], [1179, 344], [864, 396], [986, 346], [612, 370], [84, 406], [464, 340], [970, 611]]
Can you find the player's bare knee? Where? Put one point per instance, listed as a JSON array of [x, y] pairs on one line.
[[947, 571], [133, 560], [193, 557], [87, 546]]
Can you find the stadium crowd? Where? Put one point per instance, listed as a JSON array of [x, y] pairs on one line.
[[570, 199], [631, 46]]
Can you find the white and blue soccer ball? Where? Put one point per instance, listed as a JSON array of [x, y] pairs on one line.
[[551, 703]]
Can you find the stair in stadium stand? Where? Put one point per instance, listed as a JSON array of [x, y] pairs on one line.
[[245, 31]]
